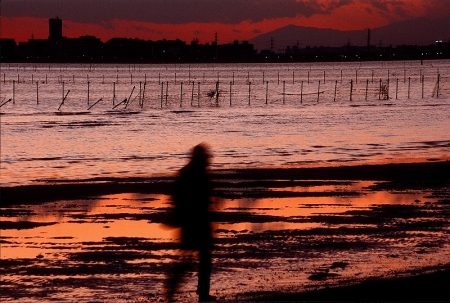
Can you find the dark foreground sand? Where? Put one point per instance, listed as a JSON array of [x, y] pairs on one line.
[[426, 287], [428, 284]]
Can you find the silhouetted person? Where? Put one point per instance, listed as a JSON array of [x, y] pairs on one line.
[[191, 199]]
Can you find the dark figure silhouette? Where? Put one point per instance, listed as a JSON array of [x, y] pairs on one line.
[[191, 199]]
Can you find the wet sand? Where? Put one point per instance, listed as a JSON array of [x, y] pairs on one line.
[[356, 233]]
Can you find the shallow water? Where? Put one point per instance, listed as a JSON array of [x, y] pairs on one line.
[[297, 127]]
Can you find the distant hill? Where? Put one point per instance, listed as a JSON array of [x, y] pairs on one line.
[[420, 31]]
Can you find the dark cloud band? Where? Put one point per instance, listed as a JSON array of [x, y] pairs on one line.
[[169, 11]]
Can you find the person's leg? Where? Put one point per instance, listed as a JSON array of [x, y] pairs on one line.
[[176, 275], [204, 275]]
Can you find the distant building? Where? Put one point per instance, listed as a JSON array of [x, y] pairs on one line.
[[55, 29]]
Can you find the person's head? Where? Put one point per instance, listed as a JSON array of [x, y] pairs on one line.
[[201, 155]]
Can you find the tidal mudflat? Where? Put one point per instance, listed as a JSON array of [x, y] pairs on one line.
[[279, 233]]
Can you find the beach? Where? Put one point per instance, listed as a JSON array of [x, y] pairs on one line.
[[344, 233], [331, 180]]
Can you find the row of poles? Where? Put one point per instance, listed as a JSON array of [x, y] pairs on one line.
[[132, 77], [383, 92]]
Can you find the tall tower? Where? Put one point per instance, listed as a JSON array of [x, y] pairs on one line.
[[55, 29]]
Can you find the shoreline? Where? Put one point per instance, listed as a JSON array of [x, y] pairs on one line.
[[53, 190]]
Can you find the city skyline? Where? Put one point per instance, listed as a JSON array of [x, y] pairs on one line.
[[88, 48], [202, 19]]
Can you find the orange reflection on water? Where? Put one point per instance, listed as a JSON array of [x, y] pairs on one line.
[[83, 221], [77, 222]]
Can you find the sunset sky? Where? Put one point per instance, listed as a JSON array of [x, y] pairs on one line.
[[190, 19]]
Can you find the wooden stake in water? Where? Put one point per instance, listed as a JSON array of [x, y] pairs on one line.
[[231, 83], [88, 92], [409, 86], [9, 100], [217, 93], [323, 77], [162, 93], [192, 95], [181, 94], [140, 92], [318, 92], [267, 90], [143, 95], [396, 89], [249, 87], [438, 83], [423, 84], [198, 94], [129, 98], [388, 83], [351, 90], [167, 91], [308, 77], [95, 103], [367, 87], [301, 94], [284, 91], [37, 92], [120, 103], [379, 92], [278, 78], [335, 89], [114, 92], [64, 99]]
